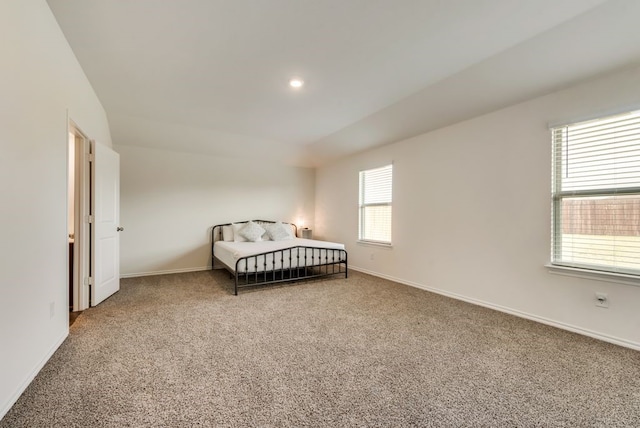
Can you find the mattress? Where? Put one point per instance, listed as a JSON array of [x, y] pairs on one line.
[[290, 253]]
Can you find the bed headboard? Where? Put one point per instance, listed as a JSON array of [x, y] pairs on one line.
[[216, 232]]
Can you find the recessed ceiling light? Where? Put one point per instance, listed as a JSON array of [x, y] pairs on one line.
[[296, 83]]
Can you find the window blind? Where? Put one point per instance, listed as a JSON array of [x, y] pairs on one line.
[[596, 194], [375, 204]]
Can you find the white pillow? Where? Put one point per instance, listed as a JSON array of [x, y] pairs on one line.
[[251, 232], [236, 232], [227, 233], [279, 232]]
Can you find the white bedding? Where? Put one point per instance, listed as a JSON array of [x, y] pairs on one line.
[[230, 252]]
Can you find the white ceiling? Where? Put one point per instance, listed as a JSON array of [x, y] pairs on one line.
[[211, 76]]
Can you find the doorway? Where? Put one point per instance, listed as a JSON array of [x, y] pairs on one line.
[[92, 221], [78, 218]]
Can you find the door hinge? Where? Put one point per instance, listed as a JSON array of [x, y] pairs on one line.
[[91, 157], [90, 219], [88, 280]]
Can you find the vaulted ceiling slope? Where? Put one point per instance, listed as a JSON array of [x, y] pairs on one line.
[[211, 76]]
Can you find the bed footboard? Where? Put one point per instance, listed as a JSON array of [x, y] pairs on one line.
[[290, 264]]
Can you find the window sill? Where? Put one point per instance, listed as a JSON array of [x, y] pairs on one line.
[[374, 244], [595, 275]]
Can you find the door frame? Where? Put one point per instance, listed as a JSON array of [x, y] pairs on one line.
[[82, 218]]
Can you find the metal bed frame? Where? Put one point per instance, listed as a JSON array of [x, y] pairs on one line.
[[324, 262]]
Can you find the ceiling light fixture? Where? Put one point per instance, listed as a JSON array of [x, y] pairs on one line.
[[296, 83]]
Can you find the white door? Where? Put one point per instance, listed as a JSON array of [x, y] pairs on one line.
[[106, 212]]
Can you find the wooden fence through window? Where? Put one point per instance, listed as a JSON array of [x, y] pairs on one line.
[[615, 216]]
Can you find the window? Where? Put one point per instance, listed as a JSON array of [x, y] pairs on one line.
[[375, 205], [596, 194]]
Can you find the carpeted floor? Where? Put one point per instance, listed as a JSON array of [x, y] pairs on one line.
[[181, 351]]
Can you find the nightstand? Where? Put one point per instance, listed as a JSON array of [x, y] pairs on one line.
[[307, 233]]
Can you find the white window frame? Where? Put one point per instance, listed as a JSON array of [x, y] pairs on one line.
[[600, 269], [379, 173]]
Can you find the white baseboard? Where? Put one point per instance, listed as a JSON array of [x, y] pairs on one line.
[[165, 272], [585, 332], [27, 381]]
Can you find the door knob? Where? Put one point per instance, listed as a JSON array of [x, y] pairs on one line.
[[119, 229]]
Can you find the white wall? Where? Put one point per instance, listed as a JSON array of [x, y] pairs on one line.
[[170, 200], [471, 214], [40, 80]]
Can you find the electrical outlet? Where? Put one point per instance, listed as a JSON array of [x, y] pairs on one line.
[[602, 300], [52, 309]]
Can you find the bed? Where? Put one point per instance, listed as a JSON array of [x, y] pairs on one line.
[[260, 252]]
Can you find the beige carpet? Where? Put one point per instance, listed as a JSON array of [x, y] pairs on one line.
[[181, 351]]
